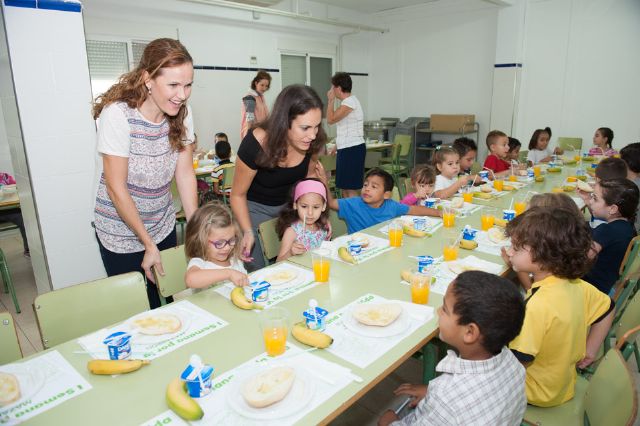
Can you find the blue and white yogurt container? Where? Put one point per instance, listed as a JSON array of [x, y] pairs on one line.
[[119, 345], [419, 223], [424, 263], [355, 247], [508, 215], [258, 291], [484, 174], [198, 383], [468, 233], [314, 317]]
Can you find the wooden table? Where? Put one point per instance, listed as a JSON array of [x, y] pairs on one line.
[[10, 201]]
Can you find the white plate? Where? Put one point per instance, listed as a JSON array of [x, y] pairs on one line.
[[30, 380], [296, 400], [279, 281], [400, 325], [147, 339]]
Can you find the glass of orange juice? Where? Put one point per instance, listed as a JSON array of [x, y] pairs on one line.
[[498, 184], [487, 218], [536, 170], [450, 245], [395, 234], [520, 205], [274, 326], [467, 194], [513, 178], [448, 217], [420, 286], [195, 163], [321, 264]]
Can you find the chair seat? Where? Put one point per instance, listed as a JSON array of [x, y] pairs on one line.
[[7, 226], [390, 168], [571, 413]]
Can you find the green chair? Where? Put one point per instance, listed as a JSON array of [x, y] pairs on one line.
[[400, 153], [476, 168], [8, 282], [522, 156], [174, 263], [329, 164], [269, 240], [74, 311], [227, 181], [8, 339], [629, 273], [181, 219], [627, 329], [609, 398], [338, 226], [570, 144]]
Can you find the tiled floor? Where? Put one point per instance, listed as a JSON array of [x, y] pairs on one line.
[[364, 412]]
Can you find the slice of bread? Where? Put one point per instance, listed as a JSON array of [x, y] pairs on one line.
[[457, 202], [361, 238], [486, 188], [377, 314], [157, 323], [584, 186], [496, 235], [9, 389], [267, 388]]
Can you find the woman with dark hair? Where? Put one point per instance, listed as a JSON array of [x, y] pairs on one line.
[[254, 108], [145, 138], [271, 158], [350, 131]]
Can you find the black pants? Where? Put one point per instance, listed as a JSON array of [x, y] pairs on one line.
[[120, 263]]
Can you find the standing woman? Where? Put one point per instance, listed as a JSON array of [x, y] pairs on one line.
[[350, 140], [145, 138], [271, 158], [254, 108]]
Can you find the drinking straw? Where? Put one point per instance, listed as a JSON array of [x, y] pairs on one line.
[[491, 171], [511, 204]]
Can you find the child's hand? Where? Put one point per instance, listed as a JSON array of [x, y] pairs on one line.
[[387, 418], [297, 248], [586, 361], [238, 278], [505, 257], [421, 192], [416, 391]]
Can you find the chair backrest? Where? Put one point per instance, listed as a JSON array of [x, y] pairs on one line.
[[328, 162], [522, 156], [269, 240], [629, 319], [405, 144], [227, 177], [630, 265], [338, 226], [395, 194], [77, 310], [8, 339], [570, 144], [174, 263], [406, 183], [372, 159], [476, 168], [611, 397]]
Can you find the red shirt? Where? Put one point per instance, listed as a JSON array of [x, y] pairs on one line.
[[496, 164]]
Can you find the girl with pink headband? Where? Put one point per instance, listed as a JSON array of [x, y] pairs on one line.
[[303, 223]]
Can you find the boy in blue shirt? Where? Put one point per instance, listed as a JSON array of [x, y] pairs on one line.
[[375, 204]]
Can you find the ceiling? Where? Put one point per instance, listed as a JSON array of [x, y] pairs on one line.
[[373, 6]]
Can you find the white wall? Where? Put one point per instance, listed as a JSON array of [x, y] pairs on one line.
[[580, 70]]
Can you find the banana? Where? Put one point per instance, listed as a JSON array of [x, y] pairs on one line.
[[468, 245], [346, 256], [240, 300], [310, 337], [405, 274], [554, 169], [181, 403], [120, 366], [483, 195], [413, 232], [500, 222], [568, 188], [539, 178], [508, 187]]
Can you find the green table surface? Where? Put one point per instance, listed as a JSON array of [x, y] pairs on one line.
[[137, 397]]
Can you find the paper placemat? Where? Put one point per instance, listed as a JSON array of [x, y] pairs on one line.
[[376, 247], [196, 323], [466, 209], [485, 245], [328, 379], [432, 223], [304, 280], [361, 350], [45, 381]]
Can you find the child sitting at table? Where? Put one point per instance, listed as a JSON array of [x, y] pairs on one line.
[[539, 151], [631, 155], [615, 201], [223, 152], [374, 205], [467, 150], [602, 140], [566, 318], [611, 168], [423, 179], [498, 144], [447, 163], [211, 245], [303, 223], [483, 384], [514, 150]]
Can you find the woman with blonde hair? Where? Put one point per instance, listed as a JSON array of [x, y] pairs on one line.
[[145, 139]]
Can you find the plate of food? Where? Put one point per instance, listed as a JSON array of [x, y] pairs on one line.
[[497, 236], [377, 319], [18, 383], [157, 326], [280, 276], [269, 393]]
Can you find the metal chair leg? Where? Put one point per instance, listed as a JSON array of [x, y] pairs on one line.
[[6, 278]]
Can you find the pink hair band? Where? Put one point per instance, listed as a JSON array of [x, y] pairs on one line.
[[307, 186]]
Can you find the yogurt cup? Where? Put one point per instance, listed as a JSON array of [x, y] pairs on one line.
[[258, 291], [419, 223], [424, 263], [355, 247], [484, 174], [468, 233], [118, 345], [508, 215], [195, 387], [315, 321], [430, 202]]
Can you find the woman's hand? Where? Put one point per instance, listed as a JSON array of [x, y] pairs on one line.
[[150, 260], [416, 391], [248, 240], [238, 278]]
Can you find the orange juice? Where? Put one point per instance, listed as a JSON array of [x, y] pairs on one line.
[[467, 197], [321, 270], [519, 207], [274, 340], [448, 219], [513, 178], [395, 237], [195, 163], [450, 252], [498, 185], [571, 179], [576, 157], [420, 294], [536, 171], [487, 221]]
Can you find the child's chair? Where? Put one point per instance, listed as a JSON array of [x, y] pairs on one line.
[[269, 241], [8, 282], [329, 164], [227, 181], [8, 339], [338, 226], [627, 329], [174, 263], [570, 144]]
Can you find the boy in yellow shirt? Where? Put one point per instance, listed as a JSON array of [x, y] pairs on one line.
[[566, 318]]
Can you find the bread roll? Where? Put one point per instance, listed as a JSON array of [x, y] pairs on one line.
[[361, 238], [496, 235], [157, 323], [377, 314], [269, 387], [584, 186], [9, 389], [486, 188], [457, 202]]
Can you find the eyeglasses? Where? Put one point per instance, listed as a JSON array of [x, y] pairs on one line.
[[220, 244]]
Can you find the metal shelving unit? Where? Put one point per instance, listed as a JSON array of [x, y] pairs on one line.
[[423, 134]]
